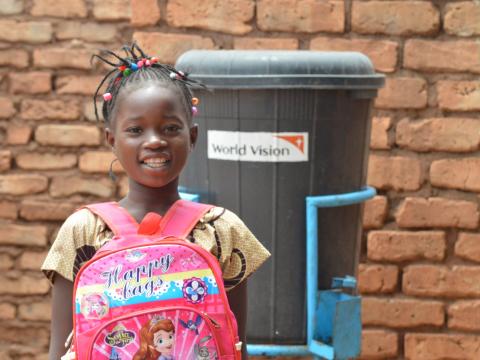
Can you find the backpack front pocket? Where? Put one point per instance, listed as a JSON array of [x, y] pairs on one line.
[[175, 333]]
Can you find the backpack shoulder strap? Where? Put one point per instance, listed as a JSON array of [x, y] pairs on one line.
[[182, 218], [117, 218]]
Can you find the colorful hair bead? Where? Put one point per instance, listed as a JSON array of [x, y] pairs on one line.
[[127, 72], [148, 62], [195, 101], [173, 75], [107, 96], [140, 63], [154, 60], [134, 67], [122, 68], [194, 110]]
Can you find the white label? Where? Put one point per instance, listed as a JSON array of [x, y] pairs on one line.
[[258, 146]]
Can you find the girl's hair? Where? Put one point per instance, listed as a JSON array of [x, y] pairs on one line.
[[127, 75], [147, 332]]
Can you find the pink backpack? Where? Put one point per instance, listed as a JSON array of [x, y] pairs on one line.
[[149, 294]]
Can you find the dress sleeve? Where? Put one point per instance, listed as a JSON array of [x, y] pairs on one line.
[[73, 240], [241, 252]]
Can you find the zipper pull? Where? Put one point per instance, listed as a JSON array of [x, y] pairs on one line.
[[216, 324]]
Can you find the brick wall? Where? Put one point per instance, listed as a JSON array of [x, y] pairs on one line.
[[420, 272]]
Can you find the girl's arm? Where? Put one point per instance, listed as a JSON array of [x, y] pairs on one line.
[[237, 298], [61, 325]]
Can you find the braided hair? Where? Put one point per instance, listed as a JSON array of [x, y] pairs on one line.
[[135, 69]]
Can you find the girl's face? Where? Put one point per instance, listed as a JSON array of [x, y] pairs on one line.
[[163, 342], [151, 136]]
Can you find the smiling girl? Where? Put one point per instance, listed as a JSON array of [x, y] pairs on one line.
[[148, 109]]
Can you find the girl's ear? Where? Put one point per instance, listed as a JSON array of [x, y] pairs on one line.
[[193, 135], [110, 138]]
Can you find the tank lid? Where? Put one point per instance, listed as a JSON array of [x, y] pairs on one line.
[[255, 69]]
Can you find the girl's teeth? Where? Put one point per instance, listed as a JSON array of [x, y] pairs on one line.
[[155, 162]]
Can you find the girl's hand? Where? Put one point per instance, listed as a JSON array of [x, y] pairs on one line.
[[62, 323]]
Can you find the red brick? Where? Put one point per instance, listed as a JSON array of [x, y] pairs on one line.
[[458, 95], [89, 112], [37, 311], [14, 58], [86, 31], [467, 246], [402, 93], [7, 109], [47, 161], [248, 43], [380, 140], [59, 8], [18, 134], [378, 344], [461, 174], [308, 16], [375, 212], [112, 9], [7, 311], [68, 135], [441, 281], [168, 47], [5, 160], [22, 184], [382, 53], [145, 12], [73, 84], [395, 17], [401, 313], [229, 16], [24, 285], [69, 185], [395, 172], [464, 315], [34, 210], [50, 109], [398, 246], [439, 134], [23, 235], [442, 346], [373, 278], [98, 162], [11, 7], [6, 262], [35, 82], [8, 210], [462, 18], [31, 260], [34, 32], [437, 212], [55, 58], [437, 56]]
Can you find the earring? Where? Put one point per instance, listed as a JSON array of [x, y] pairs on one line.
[[111, 174]]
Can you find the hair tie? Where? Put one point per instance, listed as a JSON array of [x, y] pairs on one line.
[[107, 96], [194, 110]]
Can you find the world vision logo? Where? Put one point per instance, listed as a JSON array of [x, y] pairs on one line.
[[296, 140], [258, 146]]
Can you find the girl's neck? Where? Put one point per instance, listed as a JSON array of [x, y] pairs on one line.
[[141, 199]]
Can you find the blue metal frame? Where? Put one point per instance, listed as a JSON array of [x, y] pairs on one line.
[[313, 346]]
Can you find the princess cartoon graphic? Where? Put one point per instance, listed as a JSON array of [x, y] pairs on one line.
[[157, 340]]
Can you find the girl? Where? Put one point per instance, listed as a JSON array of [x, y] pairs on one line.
[[148, 113], [156, 340]]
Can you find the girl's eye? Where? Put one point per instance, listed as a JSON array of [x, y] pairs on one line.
[[172, 128], [160, 341], [171, 337], [134, 130]]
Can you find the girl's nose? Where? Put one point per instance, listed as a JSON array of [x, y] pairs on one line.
[[154, 141]]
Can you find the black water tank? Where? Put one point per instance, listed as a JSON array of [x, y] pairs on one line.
[[275, 127]]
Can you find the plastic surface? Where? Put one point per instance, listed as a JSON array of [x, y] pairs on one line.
[[270, 197], [235, 69]]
